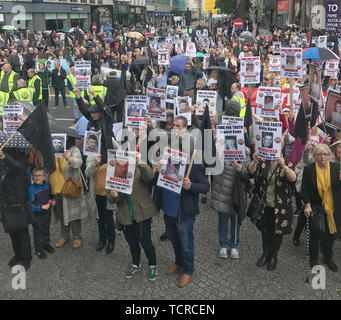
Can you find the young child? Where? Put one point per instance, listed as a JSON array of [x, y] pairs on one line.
[[41, 201]]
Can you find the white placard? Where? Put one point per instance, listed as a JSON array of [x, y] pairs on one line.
[[58, 144], [171, 93], [276, 47], [331, 67], [232, 120], [191, 50], [183, 108], [172, 171], [275, 63], [11, 117], [153, 45], [136, 110], [156, 104], [291, 63], [92, 143], [179, 46], [267, 99], [204, 98], [231, 142], [322, 42], [206, 62], [219, 30], [268, 138], [120, 171], [250, 70], [83, 74], [163, 57]]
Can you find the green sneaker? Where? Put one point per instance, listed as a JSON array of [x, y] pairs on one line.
[[152, 273], [132, 270]]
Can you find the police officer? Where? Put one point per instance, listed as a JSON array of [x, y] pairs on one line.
[[8, 79], [71, 84], [35, 83], [23, 93], [4, 96]]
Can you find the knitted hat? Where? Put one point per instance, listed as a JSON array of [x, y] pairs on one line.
[[232, 109]]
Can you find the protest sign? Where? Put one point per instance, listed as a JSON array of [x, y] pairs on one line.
[[276, 47], [331, 67], [156, 103], [83, 74], [153, 45], [206, 98], [267, 100], [250, 70], [179, 46], [191, 50], [163, 57], [322, 43], [136, 110], [120, 171], [171, 93], [11, 117], [58, 144], [268, 138], [219, 31], [333, 110], [275, 64], [172, 171], [291, 63], [183, 108], [315, 83], [231, 142], [206, 61], [232, 120], [304, 93], [92, 143]]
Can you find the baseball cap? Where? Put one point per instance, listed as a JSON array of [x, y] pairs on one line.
[[174, 78]]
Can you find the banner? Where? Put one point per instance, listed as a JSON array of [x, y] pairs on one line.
[[92, 143], [231, 143], [250, 70], [333, 110], [59, 144], [156, 103], [11, 117], [83, 74], [163, 57], [136, 110], [275, 64], [183, 108], [172, 171], [333, 17], [291, 63], [268, 138], [120, 171], [267, 100], [206, 98]]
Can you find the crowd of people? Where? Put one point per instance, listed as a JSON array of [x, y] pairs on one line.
[[303, 181]]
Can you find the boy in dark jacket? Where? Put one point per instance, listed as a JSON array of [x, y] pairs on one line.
[[41, 201]]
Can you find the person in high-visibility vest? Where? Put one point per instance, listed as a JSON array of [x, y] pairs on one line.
[[239, 97], [99, 89], [23, 93], [8, 79], [71, 84], [35, 83], [4, 96]]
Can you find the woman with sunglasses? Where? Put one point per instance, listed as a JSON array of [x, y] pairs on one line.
[[333, 85]]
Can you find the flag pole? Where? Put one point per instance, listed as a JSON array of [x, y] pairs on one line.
[[191, 163], [291, 95], [8, 140]]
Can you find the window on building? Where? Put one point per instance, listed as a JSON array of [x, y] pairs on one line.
[[93, 1]]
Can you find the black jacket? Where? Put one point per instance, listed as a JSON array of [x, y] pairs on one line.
[[115, 90], [58, 81]]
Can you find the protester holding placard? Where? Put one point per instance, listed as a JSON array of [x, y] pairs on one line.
[[135, 214]]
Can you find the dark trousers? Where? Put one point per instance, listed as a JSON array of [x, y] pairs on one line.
[[138, 234], [301, 222], [118, 109], [62, 92], [41, 229], [45, 100], [326, 241], [271, 240], [21, 244], [106, 225]]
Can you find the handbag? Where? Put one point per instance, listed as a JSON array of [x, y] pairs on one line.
[[15, 217], [319, 220], [72, 188]]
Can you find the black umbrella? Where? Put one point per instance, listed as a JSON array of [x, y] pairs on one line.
[[55, 127], [247, 36]]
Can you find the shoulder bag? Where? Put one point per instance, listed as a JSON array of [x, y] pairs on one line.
[[72, 188]]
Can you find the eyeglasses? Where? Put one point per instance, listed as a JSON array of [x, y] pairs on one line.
[[332, 79], [323, 154]]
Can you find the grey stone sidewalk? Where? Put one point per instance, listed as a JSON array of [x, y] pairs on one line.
[[86, 274]]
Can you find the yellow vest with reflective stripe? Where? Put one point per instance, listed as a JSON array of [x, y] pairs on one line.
[[101, 91], [72, 79], [24, 94], [241, 101], [31, 86], [3, 100], [10, 79]]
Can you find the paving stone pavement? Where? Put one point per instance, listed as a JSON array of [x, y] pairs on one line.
[[85, 274]]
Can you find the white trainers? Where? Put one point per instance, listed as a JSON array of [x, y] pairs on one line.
[[223, 253], [234, 254]]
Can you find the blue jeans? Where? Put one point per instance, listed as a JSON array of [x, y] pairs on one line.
[[75, 108], [180, 234], [223, 226], [56, 98]]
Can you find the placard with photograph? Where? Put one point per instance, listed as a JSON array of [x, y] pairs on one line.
[[183, 108], [276, 47], [58, 144], [315, 83], [333, 110], [268, 139], [291, 63], [172, 171], [11, 117], [206, 98], [179, 46], [206, 61], [250, 70], [120, 171], [275, 64], [163, 57], [171, 93], [92, 143], [153, 45], [231, 141], [136, 110], [322, 43], [267, 100], [83, 74], [191, 50], [304, 94], [156, 105], [331, 68]]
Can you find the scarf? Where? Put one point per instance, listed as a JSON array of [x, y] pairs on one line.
[[324, 187]]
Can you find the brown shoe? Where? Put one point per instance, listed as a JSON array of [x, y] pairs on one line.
[[77, 243], [184, 280], [60, 243], [172, 269]]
